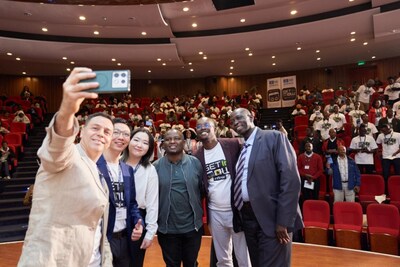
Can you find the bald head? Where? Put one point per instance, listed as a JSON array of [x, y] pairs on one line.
[[242, 122]]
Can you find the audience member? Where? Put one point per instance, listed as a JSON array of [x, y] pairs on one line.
[[345, 176], [364, 92], [364, 147], [311, 169]]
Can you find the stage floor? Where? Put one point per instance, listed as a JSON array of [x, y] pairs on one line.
[[303, 255]]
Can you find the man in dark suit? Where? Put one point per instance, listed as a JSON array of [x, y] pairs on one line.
[[391, 120], [266, 191], [124, 221]]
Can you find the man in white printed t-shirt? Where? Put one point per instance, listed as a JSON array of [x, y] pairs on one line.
[[218, 157], [356, 114], [325, 125], [364, 146], [364, 92], [390, 141]]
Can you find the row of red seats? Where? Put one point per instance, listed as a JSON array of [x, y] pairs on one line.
[[383, 225]]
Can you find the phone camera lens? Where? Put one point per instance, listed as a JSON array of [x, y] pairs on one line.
[[116, 75], [122, 81], [123, 75]]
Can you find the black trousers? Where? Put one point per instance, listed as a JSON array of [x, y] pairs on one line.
[[264, 250], [120, 250], [136, 252], [180, 248]]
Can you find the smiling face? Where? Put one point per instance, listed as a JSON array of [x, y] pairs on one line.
[[242, 122], [173, 142], [205, 129], [96, 136], [139, 145], [120, 138]]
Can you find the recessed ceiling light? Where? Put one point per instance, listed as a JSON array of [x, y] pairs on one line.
[[242, 20], [232, 60], [144, 33], [352, 39], [250, 54], [96, 33], [72, 62], [230, 73], [231, 67], [317, 51], [82, 18], [185, 9], [190, 63], [164, 64], [119, 64], [373, 57], [194, 25], [149, 71], [80, 5], [9, 54], [299, 48], [273, 64], [293, 12], [247, 49], [68, 69], [113, 59], [200, 53], [352, 33], [45, 29], [351, 0], [158, 59], [191, 69], [365, 43], [318, 58], [204, 57], [23, 72], [17, 58], [65, 58], [273, 57]]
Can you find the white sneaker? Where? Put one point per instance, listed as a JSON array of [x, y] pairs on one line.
[[7, 177]]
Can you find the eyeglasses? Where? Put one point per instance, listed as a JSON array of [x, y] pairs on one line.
[[118, 133], [205, 125]]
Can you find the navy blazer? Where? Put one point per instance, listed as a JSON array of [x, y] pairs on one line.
[[133, 214], [231, 149], [273, 182]]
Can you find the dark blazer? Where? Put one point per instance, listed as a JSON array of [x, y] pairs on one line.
[[273, 182], [130, 197], [231, 148], [395, 124]]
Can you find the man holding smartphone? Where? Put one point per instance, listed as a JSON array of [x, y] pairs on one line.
[[68, 220]]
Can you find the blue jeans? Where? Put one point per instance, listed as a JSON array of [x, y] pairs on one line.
[[177, 248]]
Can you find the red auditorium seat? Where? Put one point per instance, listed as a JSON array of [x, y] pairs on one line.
[[348, 221], [371, 185], [301, 120], [161, 116], [300, 132], [316, 216], [15, 140], [19, 128], [394, 190], [383, 228]]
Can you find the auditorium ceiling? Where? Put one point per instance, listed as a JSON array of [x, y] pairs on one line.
[[167, 39]]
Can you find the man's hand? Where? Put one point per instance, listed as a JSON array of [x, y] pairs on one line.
[[356, 189], [146, 243], [282, 234], [137, 231], [74, 92]]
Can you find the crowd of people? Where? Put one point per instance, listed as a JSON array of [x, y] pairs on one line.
[[350, 132], [116, 172], [92, 207]]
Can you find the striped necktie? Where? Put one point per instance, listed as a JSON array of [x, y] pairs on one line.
[[237, 188]]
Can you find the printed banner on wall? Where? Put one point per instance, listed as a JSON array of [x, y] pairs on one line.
[[274, 93], [289, 91]]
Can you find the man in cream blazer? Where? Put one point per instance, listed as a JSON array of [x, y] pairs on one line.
[[68, 220]]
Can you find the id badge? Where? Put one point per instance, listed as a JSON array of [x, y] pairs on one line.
[[121, 214], [306, 167]]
